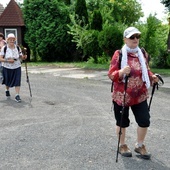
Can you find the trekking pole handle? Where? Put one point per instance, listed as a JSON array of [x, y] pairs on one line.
[[161, 82], [126, 81]]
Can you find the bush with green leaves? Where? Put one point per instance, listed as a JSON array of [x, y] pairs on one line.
[[103, 59], [168, 60], [46, 32], [86, 40], [156, 41], [111, 38], [161, 61], [90, 44]]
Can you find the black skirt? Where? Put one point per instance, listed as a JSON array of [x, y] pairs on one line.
[[12, 77]]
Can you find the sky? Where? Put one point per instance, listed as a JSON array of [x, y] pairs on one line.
[[5, 2], [152, 7], [148, 6]]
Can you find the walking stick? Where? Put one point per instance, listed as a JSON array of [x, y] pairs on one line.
[[24, 50], [28, 79], [122, 113], [155, 85]]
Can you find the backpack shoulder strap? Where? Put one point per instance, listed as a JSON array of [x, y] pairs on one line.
[[18, 48], [5, 48], [120, 59], [145, 55]]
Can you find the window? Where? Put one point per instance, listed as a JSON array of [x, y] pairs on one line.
[[11, 30]]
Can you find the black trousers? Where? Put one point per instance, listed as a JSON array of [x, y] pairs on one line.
[[140, 112]]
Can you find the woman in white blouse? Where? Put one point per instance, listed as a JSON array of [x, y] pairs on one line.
[[11, 57]]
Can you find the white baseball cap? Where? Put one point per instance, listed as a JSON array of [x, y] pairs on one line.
[[130, 31], [11, 35]]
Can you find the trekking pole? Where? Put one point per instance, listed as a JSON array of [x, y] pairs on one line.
[[122, 113], [27, 77], [155, 85]]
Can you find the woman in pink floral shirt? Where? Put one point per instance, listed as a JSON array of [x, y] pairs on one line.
[[134, 65], [2, 41]]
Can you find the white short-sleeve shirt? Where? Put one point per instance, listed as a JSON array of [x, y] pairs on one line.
[[11, 54]]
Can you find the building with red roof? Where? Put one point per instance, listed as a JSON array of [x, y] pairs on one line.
[[11, 21]]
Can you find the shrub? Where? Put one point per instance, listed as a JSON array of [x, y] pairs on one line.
[[110, 39]]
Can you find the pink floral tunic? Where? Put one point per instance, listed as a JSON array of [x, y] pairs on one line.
[[136, 90], [2, 43]]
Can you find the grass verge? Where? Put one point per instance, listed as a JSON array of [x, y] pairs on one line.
[[86, 65]]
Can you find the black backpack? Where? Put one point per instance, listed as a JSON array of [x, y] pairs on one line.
[[5, 48], [120, 59]]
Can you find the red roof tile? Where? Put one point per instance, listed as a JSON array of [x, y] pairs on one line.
[[12, 15]]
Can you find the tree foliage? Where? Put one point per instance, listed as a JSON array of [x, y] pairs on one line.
[[166, 3], [56, 27], [127, 11], [111, 38], [97, 21], [47, 29], [103, 16], [156, 41], [81, 12], [67, 2]]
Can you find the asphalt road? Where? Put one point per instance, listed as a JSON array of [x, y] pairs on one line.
[[68, 124]]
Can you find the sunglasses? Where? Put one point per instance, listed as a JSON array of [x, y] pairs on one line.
[[11, 39], [134, 36]]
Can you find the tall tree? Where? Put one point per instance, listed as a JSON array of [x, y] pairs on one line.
[[97, 21], [124, 11], [47, 29], [166, 3], [127, 11], [81, 14], [151, 38]]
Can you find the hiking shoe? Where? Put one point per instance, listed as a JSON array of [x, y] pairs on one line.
[[143, 152], [17, 99], [8, 94], [125, 151]]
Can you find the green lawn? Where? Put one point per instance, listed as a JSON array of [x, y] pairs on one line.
[[161, 71], [86, 65]]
